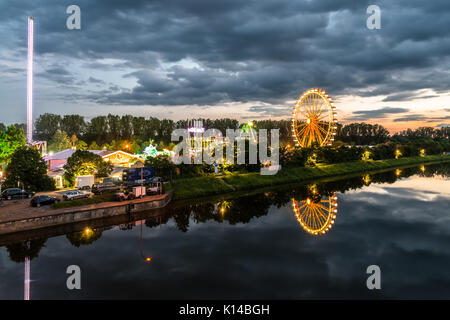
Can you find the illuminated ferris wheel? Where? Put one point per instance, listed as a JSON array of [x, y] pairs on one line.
[[314, 119], [316, 215]]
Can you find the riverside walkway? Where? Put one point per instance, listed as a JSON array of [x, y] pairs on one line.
[[18, 215]]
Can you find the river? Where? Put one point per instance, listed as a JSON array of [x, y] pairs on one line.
[[312, 241]]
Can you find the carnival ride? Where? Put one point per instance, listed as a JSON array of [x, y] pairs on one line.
[[314, 119]]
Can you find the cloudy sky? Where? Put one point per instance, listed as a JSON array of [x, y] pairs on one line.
[[245, 59]]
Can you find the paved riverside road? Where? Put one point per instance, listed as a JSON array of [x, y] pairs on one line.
[[12, 210]]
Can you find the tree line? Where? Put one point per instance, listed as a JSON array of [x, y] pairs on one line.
[[132, 133]]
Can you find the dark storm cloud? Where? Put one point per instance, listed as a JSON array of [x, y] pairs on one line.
[[377, 113], [419, 117], [267, 112], [412, 117], [58, 74], [406, 96], [95, 80], [254, 50]]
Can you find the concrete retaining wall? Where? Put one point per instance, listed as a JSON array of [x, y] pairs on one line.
[[84, 215]]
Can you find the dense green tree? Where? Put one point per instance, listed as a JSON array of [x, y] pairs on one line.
[[73, 124], [362, 134], [93, 146], [85, 163], [139, 128], [114, 127], [162, 165], [98, 130], [46, 126], [81, 145], [165, 130], [27, 168], [126, 127], [10, 140], [60, 141]]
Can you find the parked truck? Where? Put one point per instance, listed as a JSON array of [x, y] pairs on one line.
[[137, 176]]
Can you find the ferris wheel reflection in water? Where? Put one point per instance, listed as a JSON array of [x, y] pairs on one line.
[[316, 214]]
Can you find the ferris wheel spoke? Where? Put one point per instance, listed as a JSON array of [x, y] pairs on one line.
[[302, 130], [319, 136], [323, 107], [316, 220], [305, 135], [311, 134], [299, 110], [320, 207], [324, 123], [323, 130], [319, 104], [303, 205]]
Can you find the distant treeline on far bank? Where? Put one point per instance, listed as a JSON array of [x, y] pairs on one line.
[[130, 133]]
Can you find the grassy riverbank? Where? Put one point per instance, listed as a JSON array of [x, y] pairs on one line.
[[207, 186], [83, 202]]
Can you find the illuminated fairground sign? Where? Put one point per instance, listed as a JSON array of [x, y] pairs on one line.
[[196, 130]]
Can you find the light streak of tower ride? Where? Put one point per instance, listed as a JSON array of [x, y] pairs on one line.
[[30, 80]]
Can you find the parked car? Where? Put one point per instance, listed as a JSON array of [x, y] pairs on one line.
[[101, 188], [84, 188], [12, 193], [43, 200], [75, 194]]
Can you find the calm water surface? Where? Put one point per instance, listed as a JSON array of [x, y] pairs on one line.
[[256, 246]]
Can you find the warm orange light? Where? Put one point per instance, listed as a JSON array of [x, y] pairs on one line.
[[87, 231], [148, 259]]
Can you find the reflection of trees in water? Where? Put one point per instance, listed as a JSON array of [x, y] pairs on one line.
[[156, 221], [242, 210], [239, 210], [19, 251], [85, 237]]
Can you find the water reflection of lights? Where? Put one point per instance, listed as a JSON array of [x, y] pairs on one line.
[[398, 172], [316, 216], [223, 206], [141, 247], [88, 231], [366, 179]]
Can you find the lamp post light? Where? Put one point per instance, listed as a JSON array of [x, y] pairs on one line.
[[146, 259]]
